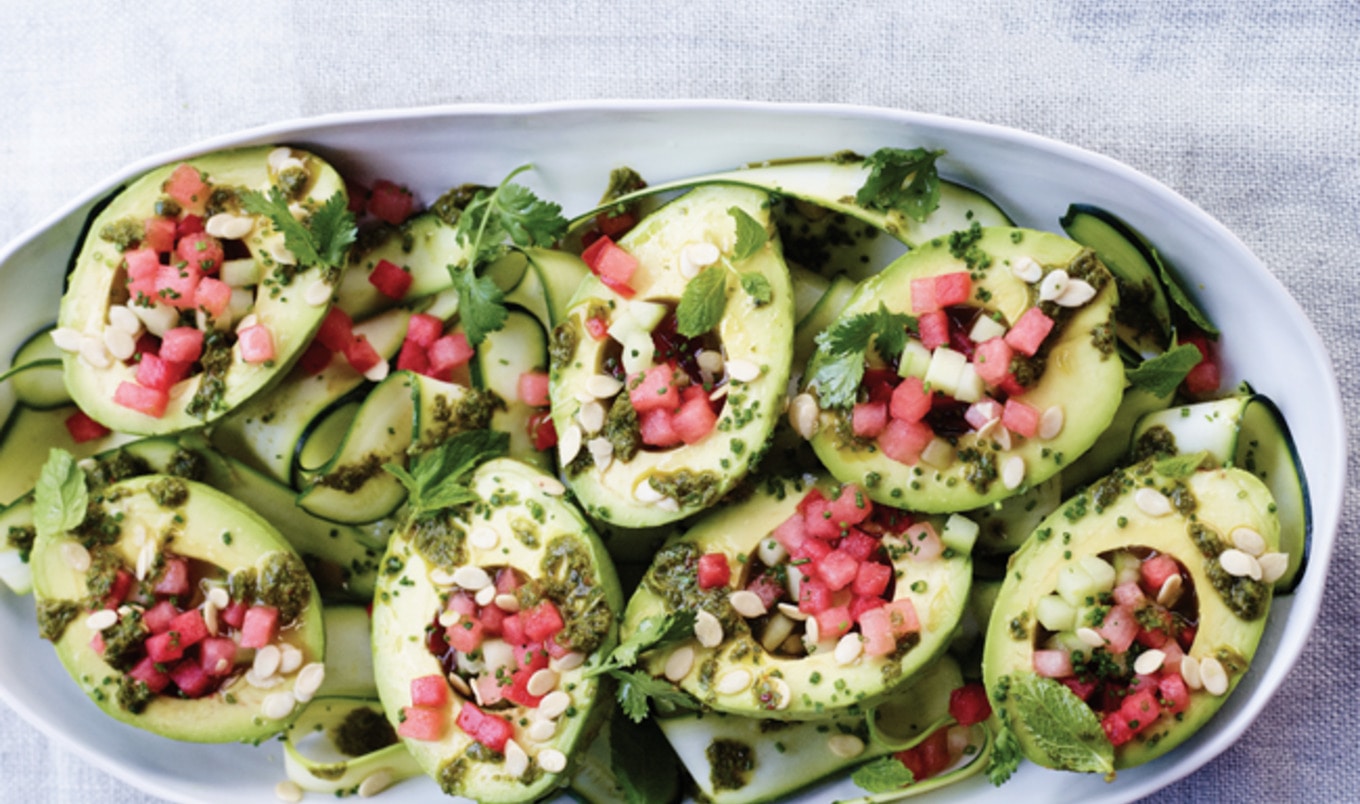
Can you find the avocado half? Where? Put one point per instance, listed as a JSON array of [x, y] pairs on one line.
[[220, 536], [537, 533], [1083, 376], [695, 476], [817, 684], [1225, 499], [282, 300]]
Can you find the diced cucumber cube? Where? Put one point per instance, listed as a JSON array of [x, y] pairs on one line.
[[1056, 614]]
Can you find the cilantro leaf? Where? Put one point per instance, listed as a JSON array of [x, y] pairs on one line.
[[702, 304], [322, 241], [434, 478], [1005, 758], [882, 775], [509, 212], [60, 496], [653, 632], [481, 304], [842, 349], [757, 287], [1061, 725], [751, 234], [636, 689], [904, 180], [1163, 374]]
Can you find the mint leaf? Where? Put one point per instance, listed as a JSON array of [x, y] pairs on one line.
[[757, 287], [1178, 295], [751, 234], [904, 180], [702, 304], [1163, 374], [882, 775], [637, 690], [60, 496], [434, 479], [1061, 725], [843, 348], [1181, 466], [322, 241], [481, 304]]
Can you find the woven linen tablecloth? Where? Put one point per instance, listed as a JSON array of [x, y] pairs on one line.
[[1250, 108]]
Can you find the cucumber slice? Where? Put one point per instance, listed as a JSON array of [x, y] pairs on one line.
[[550, 280], [36, 373], [821, 316], [519, 346], [425, 246], [1112, 448], [626, 757], [16, 540], [316, 763], [325, 434], [29, 434], [808, 289], [349, 634], [1248, 432], [833, 183]]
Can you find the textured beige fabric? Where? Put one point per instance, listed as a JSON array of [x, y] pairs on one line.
[[1250, 108]]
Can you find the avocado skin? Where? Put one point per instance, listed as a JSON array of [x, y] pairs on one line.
[[1081, 377], [207, 514], [1226, 498]]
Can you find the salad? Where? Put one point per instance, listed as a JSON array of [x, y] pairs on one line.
[[728, 485]]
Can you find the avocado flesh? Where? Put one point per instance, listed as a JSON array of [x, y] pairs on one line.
[[1227, 499], [94, 286], [762, 335], [407, 601], [737, 530], [207, 514], [1081, 378]]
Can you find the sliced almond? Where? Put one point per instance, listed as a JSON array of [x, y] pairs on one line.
[[484, 537], [375, 783], [1091, 637], [317, 294], [76, 556], [1190, 672], [1053, 285], [848, 649], [591, 417], [1077, 293], [845, 746], [733, 682], [542, 682], [679, 663], [803, 415], [1027, 270], [1051, 423], [1248, 541], [569, 661], [554, 704], [1214, 677], [552, 760], [471, 578], [707, 629], [1149, 662], [743, 370], [516, 761], [603, 386], [550, 486], [1152, 502], [267, 661], [309, 680], [229, 226], [1013, 472], [747, 603], [1239, 564], [277, 705], [569, 443], [1273, 566], [67, 339], [1171, 590], [102, 619]]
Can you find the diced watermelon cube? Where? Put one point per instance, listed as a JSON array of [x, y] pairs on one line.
[[859, 544], [212, 296], [337, 330], [1119, 628], [768, 588], [492, 619], [610, 262], [1140, 709], [1116, 729], [119, 589], [361, 355], [934, 329], [187, 225], [164, 648], [150, 401], [910, 400], [234, 615], [1029, 331], [390, 279], [861, 604], [174, 578], [315, 359], [541, 622], [953, 289], [812, 549], [424, 329], [837, 569], [465, 635], [657, 389], [871, 579], [429, 691], [1081, 689], [200, 251], [159, 234], [217, 656], [1052, 663], [177, 285], [695, 419], [448, 352], [657, 428], [904, 441], [256, 343], [412, 358], [512, 630], [143, 265], [149, 674], [902, 617], [190, 627], [189, 189], [851, 507], [923, 296], [992, 360], [532, 389], [876, 628], [390, 202], [489, 730], [1129, 594], [507, 581], [1155, 571], [1172, 693], [1020, 418], [969, 705], [532, 657], [834, 622], [260, 626], [182, 344], [420, 723], [542, 430], [819, 521], [597, 327], [517, 691], [357, 195], [82, 428], [869, 418], [714, 570], [814, 597], [157, 618], [192, 681], [790, 533]]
